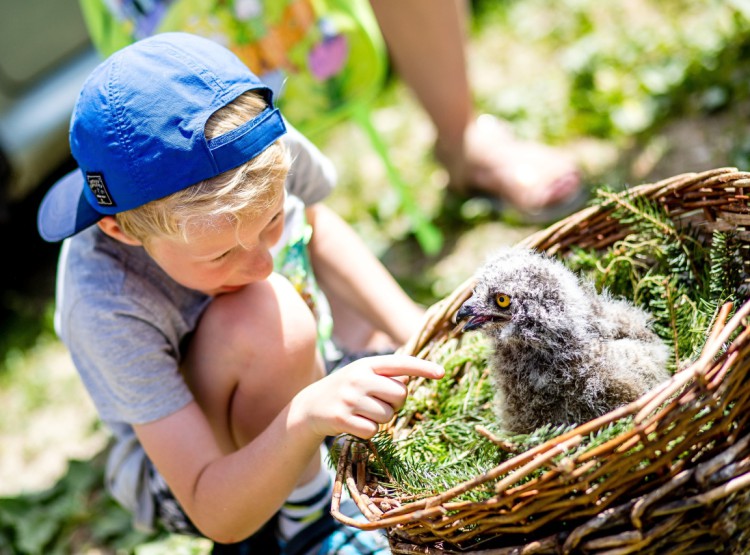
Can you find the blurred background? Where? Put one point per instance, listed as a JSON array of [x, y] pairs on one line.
[[636, 90]]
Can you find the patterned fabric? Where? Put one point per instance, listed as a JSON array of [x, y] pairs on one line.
[[352, 541], [330, 537], [307, 503], [326, 55], [293, 262], [144, 15], [169, 512]]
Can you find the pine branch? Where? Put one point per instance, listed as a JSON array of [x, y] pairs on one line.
[[639, 212]]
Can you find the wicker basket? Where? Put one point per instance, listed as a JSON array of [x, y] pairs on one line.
[[678, 481]]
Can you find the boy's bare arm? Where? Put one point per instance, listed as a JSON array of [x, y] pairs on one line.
[[343, 263], [229, 496]]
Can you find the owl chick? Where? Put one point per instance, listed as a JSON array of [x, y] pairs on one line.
[[563, 354]]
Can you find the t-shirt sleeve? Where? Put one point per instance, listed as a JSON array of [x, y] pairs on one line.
[[312, 175], [129, 366]]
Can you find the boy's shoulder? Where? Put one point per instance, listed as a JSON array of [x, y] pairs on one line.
[[97, 262]]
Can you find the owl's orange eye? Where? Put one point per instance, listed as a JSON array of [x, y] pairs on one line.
[[502, 300]]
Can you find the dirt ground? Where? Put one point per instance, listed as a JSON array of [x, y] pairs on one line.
[[54, 421]]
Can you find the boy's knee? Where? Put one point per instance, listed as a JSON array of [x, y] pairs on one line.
[[286, 323], [252, 352], [264, 320]]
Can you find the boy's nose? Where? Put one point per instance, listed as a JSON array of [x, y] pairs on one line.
[[257, 264]]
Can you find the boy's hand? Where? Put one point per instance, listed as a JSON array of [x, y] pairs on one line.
[[358, 397]]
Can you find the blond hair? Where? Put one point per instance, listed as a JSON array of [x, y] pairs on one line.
[[237, 194]]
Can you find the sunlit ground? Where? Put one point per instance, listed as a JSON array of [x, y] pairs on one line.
[[638, 90]]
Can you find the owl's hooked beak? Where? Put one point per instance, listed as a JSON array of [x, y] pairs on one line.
[[475, 321]]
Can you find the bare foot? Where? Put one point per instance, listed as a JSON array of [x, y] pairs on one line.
[[528, 175]]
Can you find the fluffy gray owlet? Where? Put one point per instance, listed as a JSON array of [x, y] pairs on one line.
[[563, 354]]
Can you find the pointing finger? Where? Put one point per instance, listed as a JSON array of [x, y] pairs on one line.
[[403, 365]]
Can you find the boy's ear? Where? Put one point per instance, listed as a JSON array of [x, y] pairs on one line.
[[109, 225]]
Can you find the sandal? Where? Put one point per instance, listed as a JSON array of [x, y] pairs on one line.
[[528, 181]]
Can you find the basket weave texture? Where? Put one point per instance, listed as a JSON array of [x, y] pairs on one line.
[[677, 481]]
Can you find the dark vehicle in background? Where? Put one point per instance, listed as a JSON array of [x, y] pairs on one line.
[[45, 56]]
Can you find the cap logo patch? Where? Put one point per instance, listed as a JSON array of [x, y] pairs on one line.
[[99, 188]]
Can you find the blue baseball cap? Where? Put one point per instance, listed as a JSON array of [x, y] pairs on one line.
[[137, 129]]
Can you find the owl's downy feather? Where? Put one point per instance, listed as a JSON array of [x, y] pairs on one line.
[[563, 354]]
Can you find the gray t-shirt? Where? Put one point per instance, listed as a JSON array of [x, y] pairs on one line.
[[125, 323]]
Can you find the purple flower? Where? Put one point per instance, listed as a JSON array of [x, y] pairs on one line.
[[327, 58]]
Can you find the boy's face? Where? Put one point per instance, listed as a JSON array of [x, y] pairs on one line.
[[220, 258]]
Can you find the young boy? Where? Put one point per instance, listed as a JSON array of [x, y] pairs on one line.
[[206, 364]]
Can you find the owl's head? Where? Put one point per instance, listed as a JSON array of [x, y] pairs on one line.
[[521, 291]]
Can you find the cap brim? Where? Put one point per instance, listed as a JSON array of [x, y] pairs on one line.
[[64, 210]]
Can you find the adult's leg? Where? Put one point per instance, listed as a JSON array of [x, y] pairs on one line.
[[427, 43], [426, 40]]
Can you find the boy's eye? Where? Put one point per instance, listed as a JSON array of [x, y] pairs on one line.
[[222, 256], [502, 300]]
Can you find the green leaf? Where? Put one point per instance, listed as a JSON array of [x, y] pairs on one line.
[[36, 531]]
